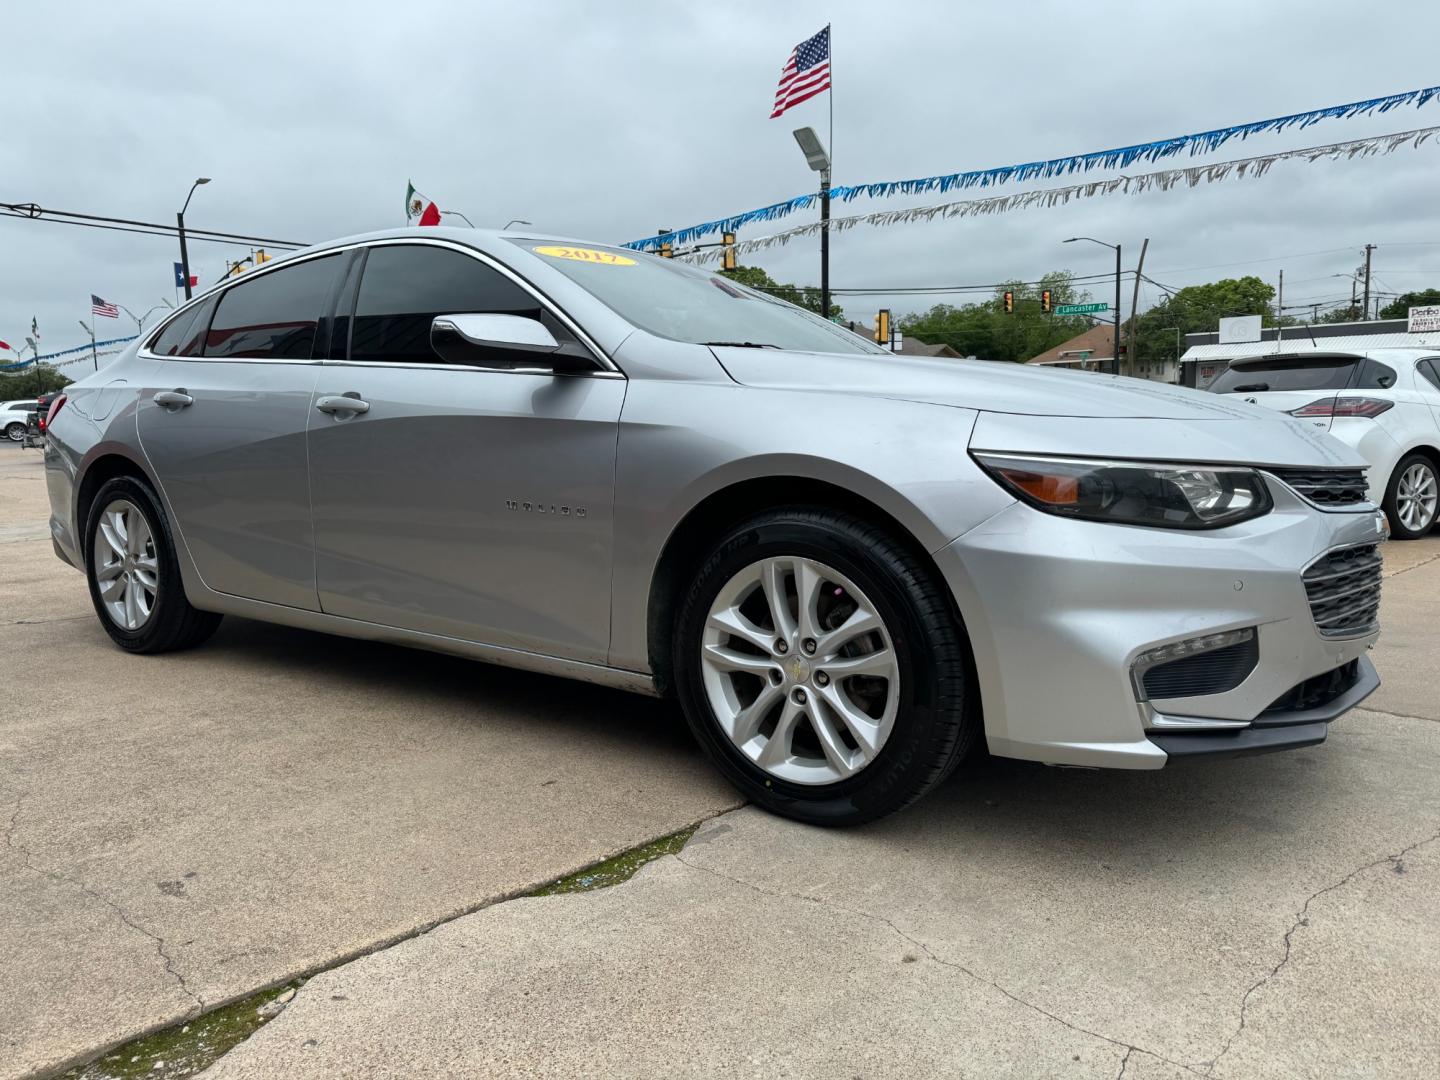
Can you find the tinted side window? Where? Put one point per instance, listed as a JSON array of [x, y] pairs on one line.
[[274, 315], [403, 289], [1431, 370], [1375, 376], [168, 343], [1321, 373]]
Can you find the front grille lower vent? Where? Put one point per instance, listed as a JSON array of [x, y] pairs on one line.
[[1327, 488], [1344, 590], [1317, 691], [1213, 672]]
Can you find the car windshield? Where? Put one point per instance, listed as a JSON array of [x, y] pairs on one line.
[[683, 303]]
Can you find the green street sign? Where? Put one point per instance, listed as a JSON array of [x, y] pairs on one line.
[[1080, 309]]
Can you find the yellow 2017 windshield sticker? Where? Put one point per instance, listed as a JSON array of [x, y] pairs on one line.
[[589, 255]]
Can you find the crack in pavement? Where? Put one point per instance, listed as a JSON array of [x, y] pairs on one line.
[[1407, 569], [1396, 715], [1129, 1048], [58, 618], [1302, 919], [28, 858], [1124, 1064]]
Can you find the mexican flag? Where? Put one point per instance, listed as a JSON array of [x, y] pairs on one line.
[[417, 205]]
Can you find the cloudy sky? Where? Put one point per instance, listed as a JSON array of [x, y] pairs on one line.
[[610, 120]]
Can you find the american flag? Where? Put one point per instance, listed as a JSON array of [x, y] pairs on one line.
[[806, 73], [100, 307]]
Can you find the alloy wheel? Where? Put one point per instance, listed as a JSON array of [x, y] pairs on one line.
[[1416, 497], [127, 571], [800, 670], [15, 432]]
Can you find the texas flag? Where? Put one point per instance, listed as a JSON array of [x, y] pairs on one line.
[[180, 277]]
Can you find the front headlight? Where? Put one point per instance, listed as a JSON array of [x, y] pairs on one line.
[[1132, 492]]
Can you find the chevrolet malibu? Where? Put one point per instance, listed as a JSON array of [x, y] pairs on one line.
[[851, 569]]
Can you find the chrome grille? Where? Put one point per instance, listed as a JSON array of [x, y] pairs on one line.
[[1326, 488], [1344, 590]]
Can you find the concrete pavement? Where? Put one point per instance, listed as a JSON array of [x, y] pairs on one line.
[[182, 830], [198, 826]]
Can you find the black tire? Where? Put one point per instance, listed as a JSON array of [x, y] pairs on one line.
[[15, 432], [173, 624], [937, 722], [1398, 529]]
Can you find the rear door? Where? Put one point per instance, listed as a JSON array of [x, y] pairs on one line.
[[1427, 382], [1287, 383], [224, 424]]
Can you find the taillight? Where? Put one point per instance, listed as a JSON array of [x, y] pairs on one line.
[[1345, 406], [54, 408]]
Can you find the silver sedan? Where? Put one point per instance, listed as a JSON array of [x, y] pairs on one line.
[[851, 569]]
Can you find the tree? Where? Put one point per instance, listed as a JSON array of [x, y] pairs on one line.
[[1400, 307], [31, 382], [1199, 308], [807, 297], [986, 331]]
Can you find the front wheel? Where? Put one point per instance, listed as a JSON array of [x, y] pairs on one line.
[[1412, 497], [821, 666], [15, 432], [134, 574]]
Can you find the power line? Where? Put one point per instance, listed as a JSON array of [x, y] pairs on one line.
[[123, 228], [35, 212]]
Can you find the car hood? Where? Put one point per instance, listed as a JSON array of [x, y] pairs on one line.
[[1024, 409], [979, 384]]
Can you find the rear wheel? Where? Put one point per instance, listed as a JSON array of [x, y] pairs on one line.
[[134, 574], [15, 431], [1412, 498], [822, 668]]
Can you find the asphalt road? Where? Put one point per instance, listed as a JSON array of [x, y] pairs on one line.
[[189, 828]]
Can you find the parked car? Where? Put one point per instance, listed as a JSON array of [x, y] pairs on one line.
[[13, 417], [1385, 403], [848, 567]]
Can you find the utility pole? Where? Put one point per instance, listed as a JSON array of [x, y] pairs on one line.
[[825, 242], [95, 356], [1130, 335], [1368, 249], [1280, 312]]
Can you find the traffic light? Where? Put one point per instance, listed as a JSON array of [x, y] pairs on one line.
[[261, 257], [727, 253], [1045, 301], [882, 326], [1009, 302], [666, 251]]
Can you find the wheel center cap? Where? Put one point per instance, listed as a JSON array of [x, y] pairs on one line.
[[798, 668]]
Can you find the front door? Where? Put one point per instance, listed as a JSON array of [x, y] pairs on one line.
[[470, 503], [223, 422]]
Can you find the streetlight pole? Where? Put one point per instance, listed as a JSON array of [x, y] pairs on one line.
[[180, 222], [1115, 365], [94, 356], [817, 158], [517, 221]]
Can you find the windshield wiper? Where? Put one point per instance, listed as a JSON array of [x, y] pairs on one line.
[[743, 344], [1250, 388]]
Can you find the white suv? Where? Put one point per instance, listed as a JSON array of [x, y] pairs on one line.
[[1383, 402], [13, 417]]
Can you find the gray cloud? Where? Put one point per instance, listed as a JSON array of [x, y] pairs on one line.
[[611, 120]]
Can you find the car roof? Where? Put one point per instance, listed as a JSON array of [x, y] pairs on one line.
[[489, 240], [1395, 355]]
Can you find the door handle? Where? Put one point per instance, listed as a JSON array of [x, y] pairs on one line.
[[349, 402], [174, 399]]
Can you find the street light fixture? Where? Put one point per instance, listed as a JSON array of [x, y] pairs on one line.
[[94, 356], [180, 221], [517, 221], [819, 160], [1116, 365], [462, 217]]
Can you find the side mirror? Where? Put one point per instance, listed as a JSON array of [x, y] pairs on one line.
[[496, 341]]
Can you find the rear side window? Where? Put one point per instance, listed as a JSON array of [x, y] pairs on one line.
[[176, 332], [1375, 376], [1430, 370], [274, 315], [404, 287], [1290, 373]]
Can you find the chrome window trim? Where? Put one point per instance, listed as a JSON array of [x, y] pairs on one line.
[[609, 369]]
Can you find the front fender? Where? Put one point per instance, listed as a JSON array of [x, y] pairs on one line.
[[682, 442]]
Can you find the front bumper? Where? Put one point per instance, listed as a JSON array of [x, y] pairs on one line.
[[1058, 610]]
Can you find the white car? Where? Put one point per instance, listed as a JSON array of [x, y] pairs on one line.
[[1384, 402], [14, 415]]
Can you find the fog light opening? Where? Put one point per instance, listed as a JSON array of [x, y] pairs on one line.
[[1180, 650]]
